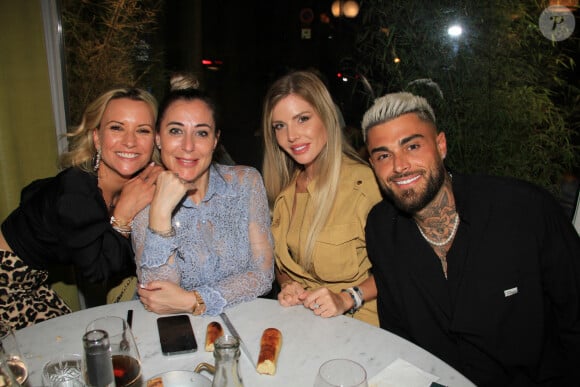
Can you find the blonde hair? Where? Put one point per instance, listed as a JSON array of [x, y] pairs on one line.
[[279, 169], [82, 148], [394, 105]]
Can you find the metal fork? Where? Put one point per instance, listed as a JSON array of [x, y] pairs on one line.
[[124, 344]]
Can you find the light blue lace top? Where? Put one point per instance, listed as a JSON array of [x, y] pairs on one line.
[[223, 247]]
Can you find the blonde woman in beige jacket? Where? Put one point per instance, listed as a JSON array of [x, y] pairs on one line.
[[320, 193]]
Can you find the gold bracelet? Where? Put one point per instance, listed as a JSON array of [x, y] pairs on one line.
[[164, 234], [122, 231], [199, 307], [121, 228]]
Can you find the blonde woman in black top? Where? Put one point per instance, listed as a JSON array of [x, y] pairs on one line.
[[83, 215]]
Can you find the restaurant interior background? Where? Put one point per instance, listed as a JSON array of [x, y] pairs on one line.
[[504, 90], [500, 73], [505, 93]]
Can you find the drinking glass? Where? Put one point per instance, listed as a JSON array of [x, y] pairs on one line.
[[341, 373], [9, 347], [63, 370], [125, 355], [7, 378]]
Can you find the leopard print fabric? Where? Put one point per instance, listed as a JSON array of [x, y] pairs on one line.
[[25, 297]]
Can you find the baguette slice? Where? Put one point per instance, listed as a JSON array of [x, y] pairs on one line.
[[214, 330], [270, 346], [156, 382]]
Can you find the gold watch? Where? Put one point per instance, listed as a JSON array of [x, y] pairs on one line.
[[199, 307]]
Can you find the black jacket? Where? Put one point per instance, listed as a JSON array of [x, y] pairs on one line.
[[509, 314], [64, 220]]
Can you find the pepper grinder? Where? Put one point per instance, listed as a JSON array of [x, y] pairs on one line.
[[98, 362]]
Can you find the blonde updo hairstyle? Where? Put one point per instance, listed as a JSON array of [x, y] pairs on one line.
[[82, 150]]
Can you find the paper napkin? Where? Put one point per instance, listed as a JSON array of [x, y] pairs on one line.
[[402, 373]]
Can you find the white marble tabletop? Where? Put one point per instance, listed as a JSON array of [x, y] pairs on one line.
[[308, 341]]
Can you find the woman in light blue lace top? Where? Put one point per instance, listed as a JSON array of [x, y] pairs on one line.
[[204, 243]]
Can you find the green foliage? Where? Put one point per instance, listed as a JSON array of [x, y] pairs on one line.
[[108, 44], [498, 90]]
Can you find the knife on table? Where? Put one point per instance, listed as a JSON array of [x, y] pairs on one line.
[[130, 318], [234, 332]]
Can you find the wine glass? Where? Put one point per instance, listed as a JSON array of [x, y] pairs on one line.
[[7, 378], [124, 352], [9, 347], [341, 373]]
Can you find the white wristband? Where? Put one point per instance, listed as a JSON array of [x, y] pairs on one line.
[[358, 300]]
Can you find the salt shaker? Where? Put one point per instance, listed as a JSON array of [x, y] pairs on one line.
[[227, 355], [98, 363]]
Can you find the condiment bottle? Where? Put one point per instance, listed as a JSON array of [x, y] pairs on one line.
[[98, 362], [227, 355]]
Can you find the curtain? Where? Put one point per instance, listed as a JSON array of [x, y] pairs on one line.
[[28, 140], [28, 145]]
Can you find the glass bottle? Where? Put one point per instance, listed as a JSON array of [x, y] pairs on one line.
[[227, 355], [98, 362]]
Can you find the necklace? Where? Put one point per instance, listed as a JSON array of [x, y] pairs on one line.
[[448, 239]]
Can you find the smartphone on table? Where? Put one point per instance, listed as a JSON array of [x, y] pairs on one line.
[[176, 335]]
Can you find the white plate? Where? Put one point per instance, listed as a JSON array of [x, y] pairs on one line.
[[181, 379]]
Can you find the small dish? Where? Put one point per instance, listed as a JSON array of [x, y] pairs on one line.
[[179, 379]]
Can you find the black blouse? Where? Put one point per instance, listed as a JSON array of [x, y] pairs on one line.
[[64, 220]]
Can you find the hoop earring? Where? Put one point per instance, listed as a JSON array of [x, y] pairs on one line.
[[97, 160]]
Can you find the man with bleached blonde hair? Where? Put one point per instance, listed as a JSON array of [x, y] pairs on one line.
[[483, 272]]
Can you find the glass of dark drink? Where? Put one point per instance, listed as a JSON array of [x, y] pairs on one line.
[[124, 352]]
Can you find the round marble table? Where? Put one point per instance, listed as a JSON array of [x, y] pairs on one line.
[[308, 341]]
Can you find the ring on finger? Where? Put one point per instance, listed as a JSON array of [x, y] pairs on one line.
[[316, 305]]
